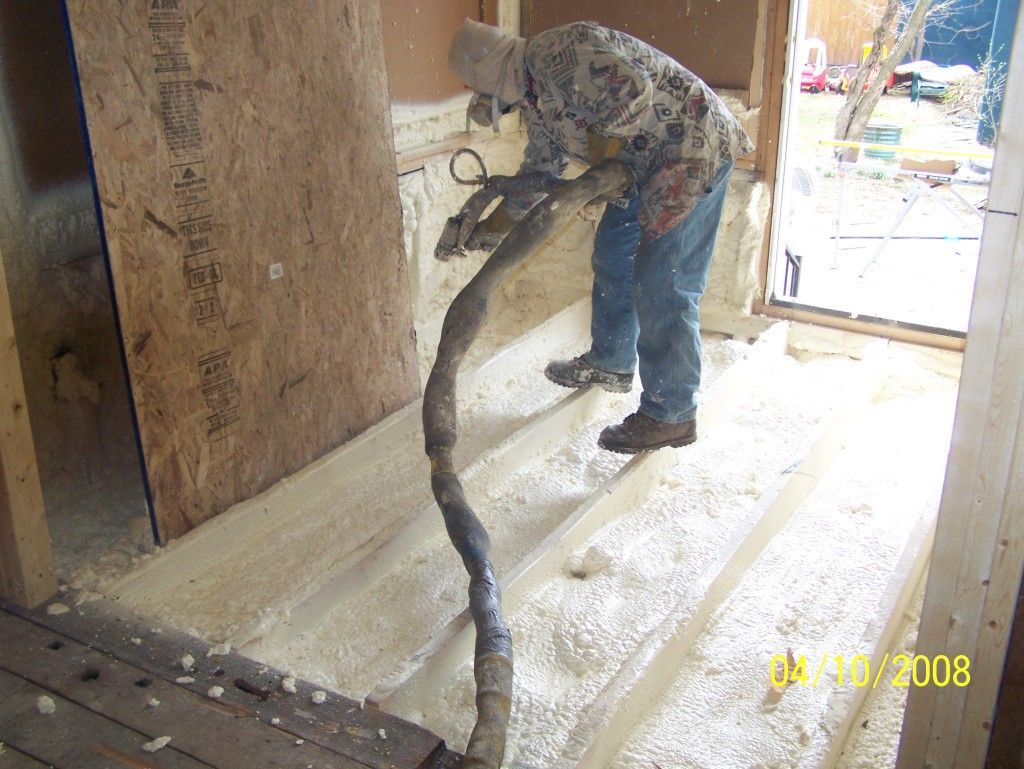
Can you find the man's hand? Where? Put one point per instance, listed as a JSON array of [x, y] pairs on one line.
[[491, 231]]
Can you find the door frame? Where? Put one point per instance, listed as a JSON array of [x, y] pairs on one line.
[[783, 23]]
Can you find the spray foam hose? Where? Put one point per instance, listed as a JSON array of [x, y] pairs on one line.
[[493, 654]]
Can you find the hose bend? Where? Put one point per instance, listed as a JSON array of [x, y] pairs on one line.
[[493, 653]]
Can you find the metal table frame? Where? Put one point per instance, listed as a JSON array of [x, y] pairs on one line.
[[926, 183]]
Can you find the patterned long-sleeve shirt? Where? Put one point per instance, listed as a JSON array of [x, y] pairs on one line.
[[677, 133]]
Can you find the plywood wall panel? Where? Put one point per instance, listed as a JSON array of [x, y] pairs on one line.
[[247, 184], [416, 40], [715, 39]]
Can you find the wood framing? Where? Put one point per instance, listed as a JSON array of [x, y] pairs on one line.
[[1007, 740], [414, 159], [898, 333], [756, 90], [975, 576], [766, 153], [103, 685], [26, 558], [246, 174]]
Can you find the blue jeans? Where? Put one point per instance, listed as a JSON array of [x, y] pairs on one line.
[[646, 301]]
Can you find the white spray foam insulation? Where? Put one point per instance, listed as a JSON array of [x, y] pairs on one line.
[[734, 281], [360, 644], [571, 638], [556, 275], [573, 633], [328, 514], [813, 590], [875, 739]]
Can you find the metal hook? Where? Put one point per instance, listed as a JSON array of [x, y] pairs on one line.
[[481, 179]]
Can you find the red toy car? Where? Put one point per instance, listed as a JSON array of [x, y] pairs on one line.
[[813, 74]]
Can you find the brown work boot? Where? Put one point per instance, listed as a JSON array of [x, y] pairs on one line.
[[639, 432], [578, 372]]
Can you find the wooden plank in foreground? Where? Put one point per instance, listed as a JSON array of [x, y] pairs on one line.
[[220, 734], [340, 724], [73, 737]]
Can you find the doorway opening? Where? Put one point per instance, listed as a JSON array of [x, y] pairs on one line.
[[67, 338], [888, 230]]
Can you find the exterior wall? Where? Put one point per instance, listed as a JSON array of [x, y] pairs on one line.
[[962, 35]]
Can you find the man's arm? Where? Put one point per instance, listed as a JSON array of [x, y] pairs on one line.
[[542, 155]]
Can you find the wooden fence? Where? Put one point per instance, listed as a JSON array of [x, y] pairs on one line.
[[844, 25]]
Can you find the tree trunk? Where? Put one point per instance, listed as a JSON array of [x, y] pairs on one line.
[[855, 113]]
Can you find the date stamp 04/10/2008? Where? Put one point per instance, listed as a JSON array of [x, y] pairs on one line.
[[837, 670]]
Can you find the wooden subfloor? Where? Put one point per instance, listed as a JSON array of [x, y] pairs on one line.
[[114, 684]]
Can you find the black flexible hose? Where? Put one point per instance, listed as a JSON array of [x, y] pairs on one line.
[[493, 654]]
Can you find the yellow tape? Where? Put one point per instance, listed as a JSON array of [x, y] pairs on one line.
[[912, 150]]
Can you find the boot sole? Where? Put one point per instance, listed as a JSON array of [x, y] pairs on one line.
[[676, 443], [573, 385]]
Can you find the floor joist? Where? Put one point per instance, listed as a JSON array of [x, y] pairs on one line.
[[356, 574], [418, 679], [649, 671], [349, 476]]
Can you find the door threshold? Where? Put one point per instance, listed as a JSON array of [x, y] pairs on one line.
[[903, 331]]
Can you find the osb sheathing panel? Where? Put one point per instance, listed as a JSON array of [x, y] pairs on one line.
[[247, 184]]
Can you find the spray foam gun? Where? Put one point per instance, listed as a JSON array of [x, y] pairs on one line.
[[457, 237]]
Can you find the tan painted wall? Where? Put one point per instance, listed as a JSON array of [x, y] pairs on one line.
[[416, 37], [712, 38]]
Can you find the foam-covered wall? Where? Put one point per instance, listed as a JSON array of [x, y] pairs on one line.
[[554, 276], [429, 196]]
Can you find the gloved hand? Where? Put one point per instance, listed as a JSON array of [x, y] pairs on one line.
[[602, 147], [491, 231]]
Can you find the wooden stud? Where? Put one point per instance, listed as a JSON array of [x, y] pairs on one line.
[[897, 333], [766, 154], [414, 159], [26, 557], [1007, 743], [764, 23], [975, 578]]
